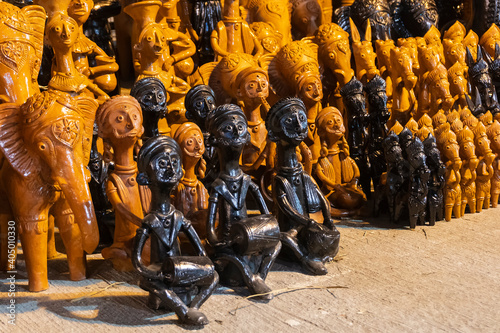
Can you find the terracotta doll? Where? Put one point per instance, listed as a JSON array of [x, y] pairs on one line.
[[336, 170], [436, 183], [383, 50], [357, 123], [494, 136], [490, 38], [151, 95], [102, 74], [191, 196], [233, 34], [379, 115], [276, 14], [458, 83], [120, 124], [306, 17], [471, 41], [249, 244], [418, 185], [454, 50], [484, 168], [448, 146], [204, 18], [311, 239], [364, 56], [468, 172], [239, 76], [172, 279], [414, 18]]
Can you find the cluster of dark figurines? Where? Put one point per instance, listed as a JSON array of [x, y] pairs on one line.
[[250, 127]]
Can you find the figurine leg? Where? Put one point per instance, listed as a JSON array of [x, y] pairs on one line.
[[472, 203], [463, 205], [71, 237], [432, 214], [290, 240], [186, 315], [457, 208], [448, 210], [268, 261], [205, 292], [33, 236], [494, 200], [479, 202], [254, 282], [51, 245]]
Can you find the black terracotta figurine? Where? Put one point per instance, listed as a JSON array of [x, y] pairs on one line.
[[181, 283], [296, 196], [436, 180], [418, 185], [152, 96], [251, 244]]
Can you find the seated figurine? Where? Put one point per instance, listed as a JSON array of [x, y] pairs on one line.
[[249, 243], [295, 193], [170, 274]]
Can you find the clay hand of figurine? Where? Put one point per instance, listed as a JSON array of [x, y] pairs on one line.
[[329, 223], [168, 63], [311, 223]]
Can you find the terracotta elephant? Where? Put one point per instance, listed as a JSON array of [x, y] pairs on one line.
[[46, 144]]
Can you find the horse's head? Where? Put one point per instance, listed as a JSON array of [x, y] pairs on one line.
[[411, 44], [466, 142], [383, 51], [457, 80], [440, 87], [447, 143], [402, 66], [481, 140], [363, 53]]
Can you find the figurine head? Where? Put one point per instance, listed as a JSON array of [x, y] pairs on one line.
[[415, 153], [405, 138], [79, 10], [62, 31], [392, 149], [377, 97], [151, 95], [199, 101], [433, 157], [190, 139], [306, 17], [490, 38], [242, 78], [159, 162], [493, 133], [471, 42], [412, 125], [456, 32], [228, 127], [352, 94], [152, 42], [268, 36], [287, 121], [330, 123], [119, 119]]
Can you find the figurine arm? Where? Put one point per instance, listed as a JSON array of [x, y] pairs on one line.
[[119, 206], [325, 208], [214, 41], [259, 198], [189, 51], [212, 213], [193, 237], [140, 240], [291, 212], [324, 179]]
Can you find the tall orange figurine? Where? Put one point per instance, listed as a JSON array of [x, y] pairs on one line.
[[468, 170], [120, 124], [44, 146], [274, 12], [364, 57], [494, 136], [484, 168], [448, 146], [454, 49], [490, 38]]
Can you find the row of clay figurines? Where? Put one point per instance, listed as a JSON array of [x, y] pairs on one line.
[[242, 247]]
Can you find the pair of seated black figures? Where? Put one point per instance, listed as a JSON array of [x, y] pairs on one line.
[[245, 247]]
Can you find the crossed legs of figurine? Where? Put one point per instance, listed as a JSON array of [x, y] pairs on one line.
[[254, 281], [308, 260], [161, 293]]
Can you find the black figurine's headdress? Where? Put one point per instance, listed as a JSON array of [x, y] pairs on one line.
[[144, 85], [220, 114], [153, 146], [351, 88], [375, 85], [277, 111]]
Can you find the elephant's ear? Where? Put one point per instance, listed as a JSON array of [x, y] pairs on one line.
[[12, 144], [87, 107], [36, 16]]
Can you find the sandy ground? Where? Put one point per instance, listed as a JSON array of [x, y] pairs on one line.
[[433, 279]]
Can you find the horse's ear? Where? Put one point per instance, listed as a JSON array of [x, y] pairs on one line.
[[469, 57], [356, 38], [479, 53], [488, 58], [368, 31], [470, 104], [497, 50]]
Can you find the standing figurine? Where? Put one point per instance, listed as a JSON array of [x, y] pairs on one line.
[[204, 18], [249, 243], [357, 128], [171, 279], [484, 168], [120, 124], [468, 171], [296, 195], [435, 199], [419, 177], [151, 95]]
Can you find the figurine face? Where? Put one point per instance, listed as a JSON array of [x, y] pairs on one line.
[[312, 89], [153, 101], [79, 10], [416, 159], [255, 85], [495, 143], [378, 100], [232, 132], [126, 121], [193, 144], [203, 103], [63, 34], [305, 17], [153, 42], [294, 125], [165, 167], [335, 124]]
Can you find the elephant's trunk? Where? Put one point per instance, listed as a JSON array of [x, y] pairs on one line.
[[71, 178]]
